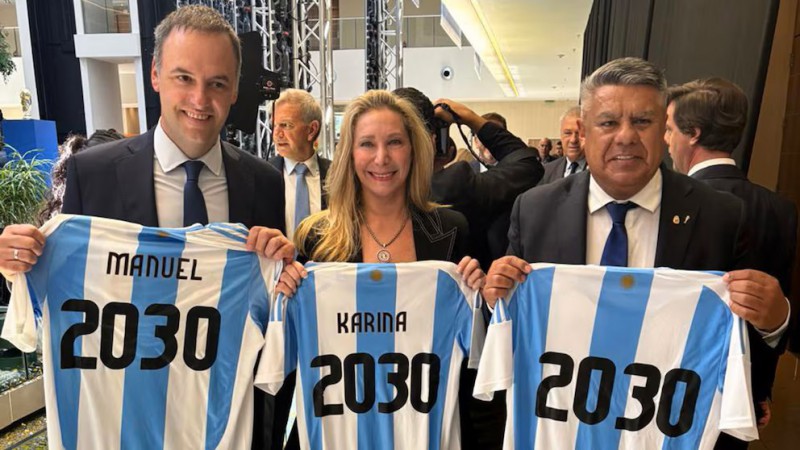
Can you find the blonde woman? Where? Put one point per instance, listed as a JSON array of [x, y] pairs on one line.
[[378, 197]]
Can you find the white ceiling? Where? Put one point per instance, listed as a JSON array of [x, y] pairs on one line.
[[541, 41]]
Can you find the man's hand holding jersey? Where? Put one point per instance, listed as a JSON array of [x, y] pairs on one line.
[[503, 273], [20, 248], [271, 243]]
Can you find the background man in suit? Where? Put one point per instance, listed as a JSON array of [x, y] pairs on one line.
[[297, 122], [630, 210], [544, 148], [178, 173], [574, 160], [486, 155], [705, 121]]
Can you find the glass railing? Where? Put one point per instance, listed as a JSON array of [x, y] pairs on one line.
[[106, 16]]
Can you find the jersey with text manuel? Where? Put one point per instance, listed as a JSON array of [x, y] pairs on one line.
[[616, 358], [150, 335], [378, 350]]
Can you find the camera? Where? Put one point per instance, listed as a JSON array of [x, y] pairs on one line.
[[446, 73]]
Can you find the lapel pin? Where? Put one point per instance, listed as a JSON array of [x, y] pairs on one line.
[[676, 220], [685, 219]]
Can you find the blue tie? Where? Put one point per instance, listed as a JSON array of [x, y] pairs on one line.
[[194, 205], [615, 252], [302, 208]]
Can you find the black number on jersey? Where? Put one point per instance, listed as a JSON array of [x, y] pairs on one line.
[[645, 395], [114, 312], [398, 378]]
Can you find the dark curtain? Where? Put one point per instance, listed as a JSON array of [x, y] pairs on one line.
[[150, 14], [58, 71], [689, 39], [693, 39], [616, 28]]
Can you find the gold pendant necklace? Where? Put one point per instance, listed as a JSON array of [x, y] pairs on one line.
[[383, 254]]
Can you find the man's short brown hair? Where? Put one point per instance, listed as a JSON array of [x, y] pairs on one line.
[[496, 118], [715, 106]]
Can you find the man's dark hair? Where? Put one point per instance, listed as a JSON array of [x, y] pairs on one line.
[[496, 118], [715, 106], [421, 102], [101, 137]]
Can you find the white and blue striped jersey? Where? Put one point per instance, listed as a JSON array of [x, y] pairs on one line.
[[616, 358], [150, 335], [378, 351]]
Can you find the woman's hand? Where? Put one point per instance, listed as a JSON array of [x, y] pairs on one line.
[[291, 277], [470, 270]]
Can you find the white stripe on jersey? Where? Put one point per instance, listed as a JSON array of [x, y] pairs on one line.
[[102, 390]]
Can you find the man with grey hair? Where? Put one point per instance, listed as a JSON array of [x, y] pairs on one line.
[[631, 211], [296, 125], [178, 173], [574, 160]]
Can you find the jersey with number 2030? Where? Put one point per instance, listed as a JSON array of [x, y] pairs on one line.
[[616, 358], [150, 335], [378, 351]]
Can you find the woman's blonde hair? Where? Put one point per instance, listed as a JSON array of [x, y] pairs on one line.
[[337, 230]]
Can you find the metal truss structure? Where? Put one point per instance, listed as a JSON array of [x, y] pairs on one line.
[[383, 52], [289, 29], [313, 24]]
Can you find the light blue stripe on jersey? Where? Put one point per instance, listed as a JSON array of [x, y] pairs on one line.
[[705, 354], [67, 262], [231, 234], [259, 295], [376, 295], [617, 327], [308, 339], [144, 410], [530, 340], [234, 313], [449, 312]]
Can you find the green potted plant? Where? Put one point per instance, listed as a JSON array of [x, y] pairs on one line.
[[7, 66], [22, 191]]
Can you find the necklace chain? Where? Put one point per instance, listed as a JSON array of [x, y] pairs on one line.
[[383, 254]]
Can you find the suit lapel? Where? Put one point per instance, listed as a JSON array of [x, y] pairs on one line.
[[430, 240], [324, 165], [571, 220], [678, 215], [241, 187], [135, 175]]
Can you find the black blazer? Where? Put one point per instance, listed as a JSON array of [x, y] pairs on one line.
[[115, 181], [485, 197], [324, 165], [772, 221]]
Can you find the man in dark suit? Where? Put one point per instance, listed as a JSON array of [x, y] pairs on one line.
[[178, 173], [574, 160], [296, 125], [705, 121], [667, 219]]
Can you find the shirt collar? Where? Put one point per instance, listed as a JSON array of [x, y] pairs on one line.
[[311, 163], [711, 162], [169, 156], [648, 198], [581, 162]]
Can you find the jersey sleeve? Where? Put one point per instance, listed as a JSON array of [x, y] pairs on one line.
[[476, 329], [28, 293], [279, 355], [495, 370], [737, 416]]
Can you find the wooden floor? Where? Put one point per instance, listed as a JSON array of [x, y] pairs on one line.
[[783, 432]]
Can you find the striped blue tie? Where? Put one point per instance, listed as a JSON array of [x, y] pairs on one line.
[[615, 252], [302, 208]]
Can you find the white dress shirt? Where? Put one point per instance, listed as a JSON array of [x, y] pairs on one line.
[[711, 162], [581, 166], [314, 182], [641, 223], [169, 177]]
